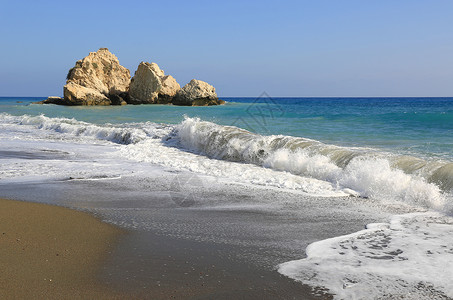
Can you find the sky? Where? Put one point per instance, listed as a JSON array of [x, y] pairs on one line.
[[319, 48]]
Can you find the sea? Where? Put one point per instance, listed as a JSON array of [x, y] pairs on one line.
[[351, 196]]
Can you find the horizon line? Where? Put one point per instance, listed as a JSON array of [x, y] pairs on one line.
[[257, 97]]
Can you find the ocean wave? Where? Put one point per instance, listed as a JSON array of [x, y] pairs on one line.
[[369, 172], [130, 133], [355, 171]]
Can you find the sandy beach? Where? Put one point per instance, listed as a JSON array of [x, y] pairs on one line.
[[50, 252]]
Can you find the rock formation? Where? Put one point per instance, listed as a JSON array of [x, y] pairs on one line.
[[97, 80], [197, 93], [150, 85]]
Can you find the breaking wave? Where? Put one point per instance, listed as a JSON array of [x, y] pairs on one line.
[[368, 172], [130, 133], [361, 172]]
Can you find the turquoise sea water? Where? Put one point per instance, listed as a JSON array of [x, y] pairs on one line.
[[420, 126]]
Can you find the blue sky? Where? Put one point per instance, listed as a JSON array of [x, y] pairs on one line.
[[287, 48]]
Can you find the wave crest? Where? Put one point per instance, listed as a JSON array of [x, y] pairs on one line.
[[362, 171], [124, 134], [368, 172]]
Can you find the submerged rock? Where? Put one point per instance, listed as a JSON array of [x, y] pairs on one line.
[[150, 85], [197, 93], [52, 100], [96, 79]]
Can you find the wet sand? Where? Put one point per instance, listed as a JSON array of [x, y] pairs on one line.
[[51, 252], [150, 266]]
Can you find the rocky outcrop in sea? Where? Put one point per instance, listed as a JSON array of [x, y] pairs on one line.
[[99, 79], [150, 85], [197, 93]]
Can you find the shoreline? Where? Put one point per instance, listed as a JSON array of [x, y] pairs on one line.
[[59, 252]]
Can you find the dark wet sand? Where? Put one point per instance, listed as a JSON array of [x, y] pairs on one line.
[[146, 264], [50, 252]]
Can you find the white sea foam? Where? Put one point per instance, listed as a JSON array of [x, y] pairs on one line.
[[409, 258], [152, 151], [120, 134], [366, 172], [225, 151]]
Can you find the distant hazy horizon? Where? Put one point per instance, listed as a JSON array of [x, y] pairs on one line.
[[290, 49]]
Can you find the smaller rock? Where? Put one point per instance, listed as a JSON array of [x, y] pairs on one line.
[[146, 84], [150, 85], [170, 88], [197, 93]]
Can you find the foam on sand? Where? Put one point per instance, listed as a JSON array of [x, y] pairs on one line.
[[400, 259]]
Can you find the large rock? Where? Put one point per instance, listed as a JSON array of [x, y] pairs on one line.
[[97, 80], [150, 85], [197, 93]]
